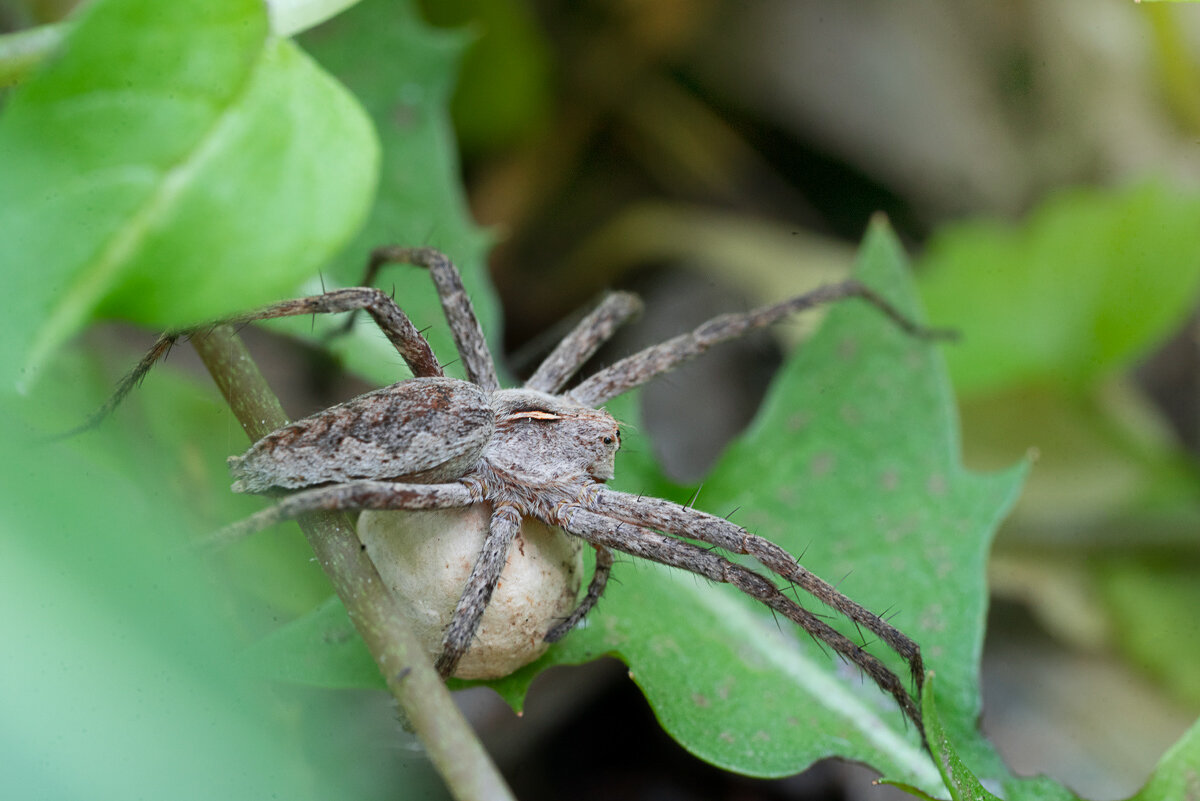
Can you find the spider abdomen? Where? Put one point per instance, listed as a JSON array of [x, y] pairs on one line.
[[424, 430]]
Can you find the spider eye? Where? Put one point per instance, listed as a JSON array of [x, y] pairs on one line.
[[608, 440]]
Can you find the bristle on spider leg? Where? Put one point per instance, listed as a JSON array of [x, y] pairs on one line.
[[818, 642], [838, 586]]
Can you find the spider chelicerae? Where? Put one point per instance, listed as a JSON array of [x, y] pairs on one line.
[[432, 442]]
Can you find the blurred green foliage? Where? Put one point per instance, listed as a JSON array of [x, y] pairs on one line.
[[503, 93], [1057, 310], [1174, 779], [1089, 282]]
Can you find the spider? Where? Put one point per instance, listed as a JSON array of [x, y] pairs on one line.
[[433, 442]]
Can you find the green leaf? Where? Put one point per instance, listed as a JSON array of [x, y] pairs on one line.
[[1086, 285], [1178, 773], [199, 165]]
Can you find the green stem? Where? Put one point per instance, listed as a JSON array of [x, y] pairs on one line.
[[451, 744]]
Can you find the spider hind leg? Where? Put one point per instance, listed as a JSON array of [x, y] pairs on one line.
[[717, 531], [604, 563], [636, 540]]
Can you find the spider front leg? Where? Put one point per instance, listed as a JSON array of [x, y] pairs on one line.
[[460, 314], [686, 522], [653, 546], [390, 318], [579, 345]]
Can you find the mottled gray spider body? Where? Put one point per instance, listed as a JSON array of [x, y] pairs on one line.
[[433, 442]]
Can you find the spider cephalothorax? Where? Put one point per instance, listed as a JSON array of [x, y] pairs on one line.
[[534, 453], [544, 440]]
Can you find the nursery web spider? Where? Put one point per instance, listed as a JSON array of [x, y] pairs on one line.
[[432, 442]]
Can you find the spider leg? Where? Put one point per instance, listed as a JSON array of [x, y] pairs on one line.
[[604, 563], [635, 370], [477, 594], [158, 351], [389, 317], [352, 495], [683, 521], [460, 314], [579, 345], [599, 529]]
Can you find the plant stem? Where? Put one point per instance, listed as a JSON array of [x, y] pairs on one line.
[[451, 744]]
